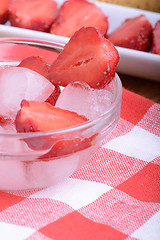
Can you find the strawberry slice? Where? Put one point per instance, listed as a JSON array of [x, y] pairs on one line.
[[65, 147], [35, 15], [134, 33], [41, 117], [5, 120], [87, 57], [54, 96], [4, 12], [37, 64], [156, 38], [75, 14]]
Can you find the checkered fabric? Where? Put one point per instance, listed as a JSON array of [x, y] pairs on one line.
[[115, 195]]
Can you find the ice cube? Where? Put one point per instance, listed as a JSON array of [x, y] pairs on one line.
[[12, 174], [21, 83], [7, 128], [81, 98], [11, 145], [21, 175]]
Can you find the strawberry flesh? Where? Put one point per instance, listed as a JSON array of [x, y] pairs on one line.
[[65, 147], [156, 38], [134, 33], [54, 96], [5, 120], [75, 14], [36, 15], [87, 57], [37, 64], [41, 117], [4, 12]]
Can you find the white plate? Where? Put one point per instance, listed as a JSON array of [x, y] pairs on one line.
[[132, 62]]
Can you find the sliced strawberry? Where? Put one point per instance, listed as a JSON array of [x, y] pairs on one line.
[[156, 38], [134, 33], [65, 147], [87, 57], [4, 12], [75, 14], [5, 120], [37, 64], [41, 117], [36, 15], [54, 96]]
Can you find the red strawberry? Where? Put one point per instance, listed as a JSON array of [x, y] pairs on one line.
[[4, 11], [65, 147], [75, 14], [156, 38], [5, 120], [54, 96], [37, 64], [41, 117], [134, 33], [36, 15], [87, 57]]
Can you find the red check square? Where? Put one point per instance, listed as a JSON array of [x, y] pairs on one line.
[[8, 200], [134, 106], [77, 227], [144, 185]]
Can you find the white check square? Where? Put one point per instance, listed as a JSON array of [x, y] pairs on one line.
[[74, 192], [149, 230], [138, 143], [14, 232]]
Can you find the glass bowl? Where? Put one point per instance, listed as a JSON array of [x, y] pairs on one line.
[[22, 168]]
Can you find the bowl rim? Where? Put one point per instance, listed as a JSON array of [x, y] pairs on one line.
[[87, 124]]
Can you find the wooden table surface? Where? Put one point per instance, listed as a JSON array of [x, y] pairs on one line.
[[147, 88]]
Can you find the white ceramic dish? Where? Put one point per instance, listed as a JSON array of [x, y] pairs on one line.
[[132, 62]]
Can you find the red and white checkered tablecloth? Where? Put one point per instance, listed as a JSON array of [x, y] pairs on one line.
[[115, 195]]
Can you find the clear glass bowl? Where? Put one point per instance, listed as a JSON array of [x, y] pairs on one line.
[[22, 168]]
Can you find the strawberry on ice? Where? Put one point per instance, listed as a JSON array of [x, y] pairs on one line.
[[37, 64], [42, 143], [87, 57], [29, 91]]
